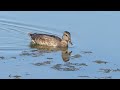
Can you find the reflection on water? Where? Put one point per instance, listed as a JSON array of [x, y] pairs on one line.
[[65, 53]]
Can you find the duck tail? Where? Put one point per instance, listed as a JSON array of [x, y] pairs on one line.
[[30, 34]]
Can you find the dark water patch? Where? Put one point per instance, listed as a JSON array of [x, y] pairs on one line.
[[68, 66], [86, 52], [84, 76], [13, 57], [42, 63], [100, 62], [61, 67], [106, 77], [34, 50], [83, 64], [49, 58], [15, 77], [110, 70], [2, 57], [27, 74], [116, 70], [105, 70], [33, 54], [76, 56], [76, 64], [25, 53]]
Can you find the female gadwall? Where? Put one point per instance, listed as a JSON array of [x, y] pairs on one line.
[[51, 40]]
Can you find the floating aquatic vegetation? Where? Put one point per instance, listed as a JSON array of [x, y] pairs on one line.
[[83, 64], [25, 53], [110, 70], [13, 57], [76, 56], [1, 57], [29, 53], [15, 77], [76, 64], [106, 70], [66, 67], [27, 74], [116, 70], [42, 63], [86, 52], [100, 62], [61, 67], [49, 58]]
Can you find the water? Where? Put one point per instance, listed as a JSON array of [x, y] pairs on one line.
[[94, 54]]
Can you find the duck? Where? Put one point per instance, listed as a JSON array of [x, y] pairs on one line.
[[51, 40]]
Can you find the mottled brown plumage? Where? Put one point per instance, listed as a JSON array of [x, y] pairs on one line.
[[51, 40]]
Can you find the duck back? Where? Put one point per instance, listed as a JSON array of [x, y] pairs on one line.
[[44, 39]]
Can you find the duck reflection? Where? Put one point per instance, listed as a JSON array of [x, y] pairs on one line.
[[65, 53]]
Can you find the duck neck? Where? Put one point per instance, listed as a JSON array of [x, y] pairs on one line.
[[64, 43]]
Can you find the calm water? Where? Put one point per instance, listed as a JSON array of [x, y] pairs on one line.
[[94, 54]]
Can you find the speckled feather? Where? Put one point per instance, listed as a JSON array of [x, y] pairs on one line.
[[44, 39]]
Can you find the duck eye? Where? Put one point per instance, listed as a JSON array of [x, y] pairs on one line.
[[66, 35]]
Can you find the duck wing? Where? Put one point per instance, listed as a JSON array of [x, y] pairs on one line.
[[45, 39], [43, 36]]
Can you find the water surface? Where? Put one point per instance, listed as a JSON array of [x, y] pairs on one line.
[[94, 54]]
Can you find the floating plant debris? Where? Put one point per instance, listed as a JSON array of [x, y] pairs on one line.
[[86, 52], [31, 53], [100, 62], [15, 77], [106, 70], [83, 64], [76, 64], [2, 57], [116, 70], [13, 57], [66, 67], [110, 70], [49, 58], [42, 63], [76, 56]]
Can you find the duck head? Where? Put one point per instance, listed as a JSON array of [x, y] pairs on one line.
[[67, 37]]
